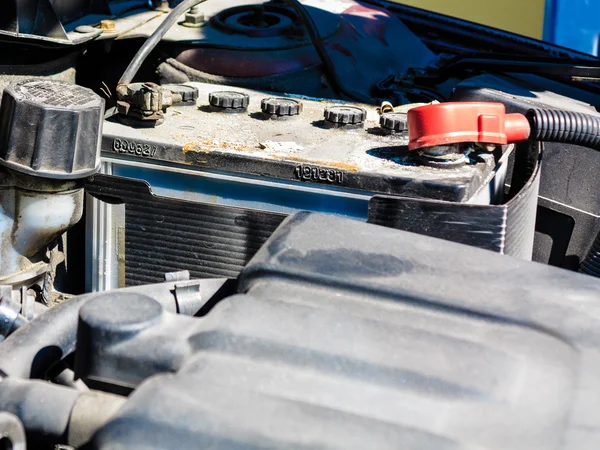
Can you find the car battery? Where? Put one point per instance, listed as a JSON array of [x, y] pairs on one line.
[[205, 189]]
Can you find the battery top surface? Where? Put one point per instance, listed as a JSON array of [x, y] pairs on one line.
[[302, 147]]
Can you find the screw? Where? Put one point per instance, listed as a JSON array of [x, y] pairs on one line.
[[108, 26]]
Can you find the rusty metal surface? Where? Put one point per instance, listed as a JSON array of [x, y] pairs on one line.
[[300, 149]]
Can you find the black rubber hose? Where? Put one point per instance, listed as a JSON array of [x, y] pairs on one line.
[[54, 414], [548, 125], [154, 39], [43, 408]]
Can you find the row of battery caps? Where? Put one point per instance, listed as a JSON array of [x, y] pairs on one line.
[[246, 159]]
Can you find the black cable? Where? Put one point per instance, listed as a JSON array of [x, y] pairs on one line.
[[550, 125], [154, 39], [502, 63], [328, 66]]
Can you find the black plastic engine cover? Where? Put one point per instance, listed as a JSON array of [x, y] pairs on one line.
[[350, 335]]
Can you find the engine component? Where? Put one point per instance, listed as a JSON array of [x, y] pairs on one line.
[[49, 140], [34, 214], [464, 122], [333, 318], [247, 172], [504, 227], [26, 134], [269, 45], [100, 328], [144, 104], [10, 317], [568, 205], [458, 122], [259, 20], [55, 414], [38, 345], [17, 307], [182, 93], [194, 18], [154, 39], [439, 125], [328, 334], [12, 434], [565, 126]]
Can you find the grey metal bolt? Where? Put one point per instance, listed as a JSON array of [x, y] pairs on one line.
[[194, 17]]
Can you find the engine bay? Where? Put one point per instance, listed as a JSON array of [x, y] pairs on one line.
[[294, 224]]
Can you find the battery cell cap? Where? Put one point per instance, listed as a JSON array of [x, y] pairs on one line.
[[281, 107], [394, 122], [345, 115], [230, 100]]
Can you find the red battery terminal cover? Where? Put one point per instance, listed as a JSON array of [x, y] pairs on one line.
[[462, 122]]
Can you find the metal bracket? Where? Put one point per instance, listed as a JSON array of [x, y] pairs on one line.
[[188, 295]]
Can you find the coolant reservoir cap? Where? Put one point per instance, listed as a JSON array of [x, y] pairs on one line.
[[51, 129]]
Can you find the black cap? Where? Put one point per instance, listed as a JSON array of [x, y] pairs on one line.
[[281, 107], [229, 100], [345, 115], [187, 93], [394, 122], [51, 129]]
